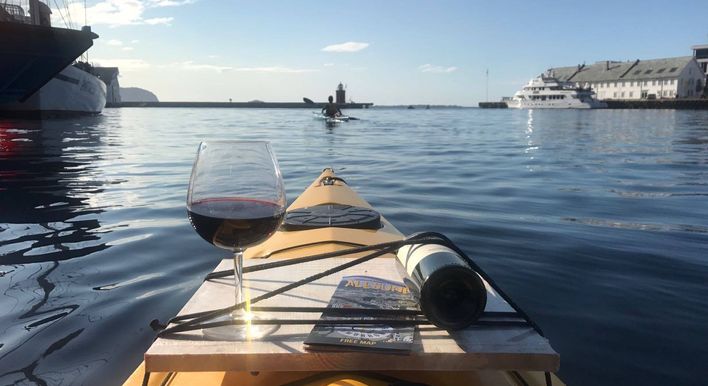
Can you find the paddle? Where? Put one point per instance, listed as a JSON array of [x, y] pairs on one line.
[[310, 102]]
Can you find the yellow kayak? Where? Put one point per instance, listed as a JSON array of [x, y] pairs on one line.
[[305, 238]]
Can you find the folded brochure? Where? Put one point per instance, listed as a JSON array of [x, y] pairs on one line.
[[369, 293]]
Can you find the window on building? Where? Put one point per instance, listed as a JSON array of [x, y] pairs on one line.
[[622, 84], [615, 85], [637, 72], [631, 94], [631, 84], [672, 81], [614, 95], [645, 94], [673, 69], [622, 94], [653, 82], [661, 70], [647, 72], [646, 82]]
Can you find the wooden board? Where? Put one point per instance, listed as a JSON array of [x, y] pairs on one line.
[[481, 347]]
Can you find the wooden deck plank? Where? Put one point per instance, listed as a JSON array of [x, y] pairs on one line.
[[480, 347]]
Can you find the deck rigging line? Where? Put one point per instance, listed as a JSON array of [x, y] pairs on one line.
[[202, 319]]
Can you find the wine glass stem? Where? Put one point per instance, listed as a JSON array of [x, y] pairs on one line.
[[238, 275]]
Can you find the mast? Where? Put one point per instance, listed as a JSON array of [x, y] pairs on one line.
[[34, 11]]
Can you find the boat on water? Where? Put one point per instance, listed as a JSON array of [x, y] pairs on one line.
[[547, 92], [329, 217], [330, 120], [38, 75]]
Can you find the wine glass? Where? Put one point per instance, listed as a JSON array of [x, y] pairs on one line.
[[236, 199]]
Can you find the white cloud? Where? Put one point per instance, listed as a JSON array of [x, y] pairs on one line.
[[346, 47], [116, 13], [125, 65], [170, 3], [191, 66], [136, 41], [110, 12], [275, 69], [328, 64], [114, 42], [159, 20], [437, 69]]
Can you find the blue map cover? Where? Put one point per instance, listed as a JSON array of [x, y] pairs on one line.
[[365, 292]]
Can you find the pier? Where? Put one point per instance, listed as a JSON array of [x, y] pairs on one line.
[[677, 104], [256, 105], [492, 105]]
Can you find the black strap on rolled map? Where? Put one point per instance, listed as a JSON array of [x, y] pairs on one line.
[[203, 319]]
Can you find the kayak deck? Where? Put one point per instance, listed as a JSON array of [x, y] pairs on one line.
[[309, 378], [336, 119], [476, 356]]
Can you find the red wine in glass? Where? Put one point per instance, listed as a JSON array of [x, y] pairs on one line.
[[236, 199], [234, 223]]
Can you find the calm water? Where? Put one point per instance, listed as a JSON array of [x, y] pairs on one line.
[[594, 221]]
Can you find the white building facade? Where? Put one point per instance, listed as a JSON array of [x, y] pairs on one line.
[[700, 52], [668, 78]]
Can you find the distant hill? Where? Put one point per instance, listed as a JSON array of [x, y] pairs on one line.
[[136, 94]]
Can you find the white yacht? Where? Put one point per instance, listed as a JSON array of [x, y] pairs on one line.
[[547, 92]]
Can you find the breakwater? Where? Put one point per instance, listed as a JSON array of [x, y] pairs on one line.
[[676, 104], [492, 105], [251, 105]]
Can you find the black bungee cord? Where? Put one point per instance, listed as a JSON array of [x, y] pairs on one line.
[[202, 320]]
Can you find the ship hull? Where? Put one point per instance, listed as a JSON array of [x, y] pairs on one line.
[[32, 55], [71, 92]]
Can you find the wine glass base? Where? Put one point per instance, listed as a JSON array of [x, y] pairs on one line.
[[239, 333]]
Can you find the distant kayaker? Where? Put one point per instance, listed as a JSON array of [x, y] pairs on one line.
[[331, 109]]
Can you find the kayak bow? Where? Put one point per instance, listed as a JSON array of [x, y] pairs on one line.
[[297, 239]]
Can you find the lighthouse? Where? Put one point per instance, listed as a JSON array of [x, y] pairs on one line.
[[341, 99]]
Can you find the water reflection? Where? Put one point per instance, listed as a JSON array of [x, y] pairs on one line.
[[46, 215], [45, 190]]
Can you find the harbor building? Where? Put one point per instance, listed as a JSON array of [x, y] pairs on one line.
[[680, 77], [109, 76], [700, 52]]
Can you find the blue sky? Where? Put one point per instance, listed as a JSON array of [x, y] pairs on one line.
[[399, 52]]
